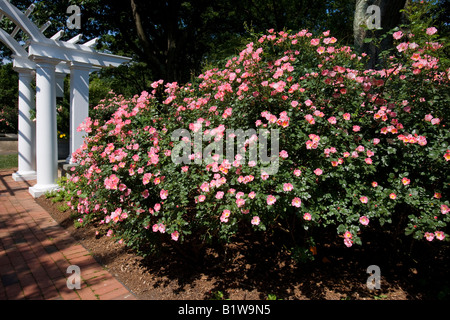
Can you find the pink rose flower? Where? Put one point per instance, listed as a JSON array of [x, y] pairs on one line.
[[163, 194], [283, 154], [225, 215], [429, 236], [315, 42], [397, 35], [318, 172], [431, 31], [364, 220], [175, 235], [435, 121], [296, 202], [348, 243], [439, 235], [219, 194], [271, 199], [255, 220], [240, 202]]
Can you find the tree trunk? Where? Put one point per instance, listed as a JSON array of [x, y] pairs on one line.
[[390, 17], [172, 39], [148, 52]]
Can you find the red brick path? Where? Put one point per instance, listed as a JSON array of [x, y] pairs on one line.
[[35, 252]]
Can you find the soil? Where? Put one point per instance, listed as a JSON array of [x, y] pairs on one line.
[[252, 267]]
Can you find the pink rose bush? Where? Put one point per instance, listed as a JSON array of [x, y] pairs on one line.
[[355, 147]]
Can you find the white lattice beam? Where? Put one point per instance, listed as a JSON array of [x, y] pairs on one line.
[[26, 14], [71, 52]]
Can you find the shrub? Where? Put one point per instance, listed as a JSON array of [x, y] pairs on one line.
[[352, 147], [8, 99], [8, 119]]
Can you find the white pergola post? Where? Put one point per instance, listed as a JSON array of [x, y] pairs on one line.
[[27, 129], [79, 103], [46, 128]]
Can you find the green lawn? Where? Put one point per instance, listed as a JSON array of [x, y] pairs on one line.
[[8, 161]]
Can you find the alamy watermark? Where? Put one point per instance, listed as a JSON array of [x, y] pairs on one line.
[[74, 280], [74, 21], [374, 280], [374, 20], [188, 148]]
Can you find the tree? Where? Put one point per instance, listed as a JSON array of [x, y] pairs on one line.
[[174, 38], [390, 16]]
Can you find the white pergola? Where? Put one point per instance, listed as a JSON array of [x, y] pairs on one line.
[[49, 60]]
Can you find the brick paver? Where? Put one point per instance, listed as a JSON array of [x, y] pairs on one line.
[[35, 252]]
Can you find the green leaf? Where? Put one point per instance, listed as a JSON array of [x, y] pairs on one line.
[[341, 228]]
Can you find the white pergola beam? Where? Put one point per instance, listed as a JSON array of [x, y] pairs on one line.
[[27, 14], [75, 39], [29, 10], [1, 13], [58, 35], [45, 26], [12, 44], [15, 31], [91, 43], [70, 52], [23, 63]]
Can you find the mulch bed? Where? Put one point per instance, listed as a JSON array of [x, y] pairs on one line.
[[253, 267]]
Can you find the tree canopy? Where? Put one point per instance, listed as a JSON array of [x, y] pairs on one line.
[[173, 40]]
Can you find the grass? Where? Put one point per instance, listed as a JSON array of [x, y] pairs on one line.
[[8, 161]]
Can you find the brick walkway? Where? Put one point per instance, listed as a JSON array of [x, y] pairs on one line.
[[35, 252]]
